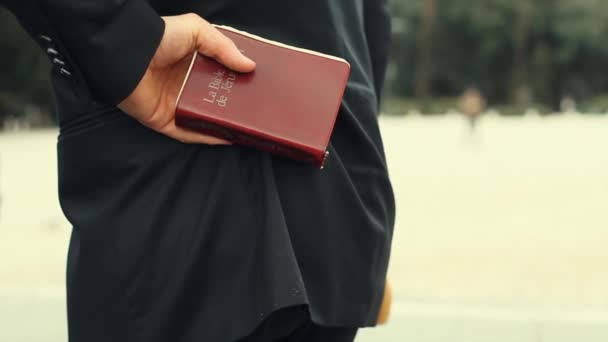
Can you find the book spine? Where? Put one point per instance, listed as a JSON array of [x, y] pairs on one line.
[[241, 138]]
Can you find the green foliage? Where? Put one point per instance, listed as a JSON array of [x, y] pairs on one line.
[[399, 105], [436, 106], [515, 51], [519, 53], [597, 105]]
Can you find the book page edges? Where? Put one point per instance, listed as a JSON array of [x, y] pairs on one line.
[[273, 137], [290, 47], [179, 96]]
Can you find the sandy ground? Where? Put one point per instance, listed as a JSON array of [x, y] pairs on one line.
[[500, 235]]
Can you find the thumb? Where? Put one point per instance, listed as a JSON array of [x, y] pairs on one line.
[[212, 43]]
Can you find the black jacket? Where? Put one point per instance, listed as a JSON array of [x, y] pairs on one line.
[[176, 242]]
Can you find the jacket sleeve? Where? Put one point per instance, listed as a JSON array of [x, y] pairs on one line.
[[108, 43], [378, 34]]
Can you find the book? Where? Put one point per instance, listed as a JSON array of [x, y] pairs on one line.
[[288, 105]]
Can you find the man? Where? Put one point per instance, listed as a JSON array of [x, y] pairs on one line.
[[180, 237]]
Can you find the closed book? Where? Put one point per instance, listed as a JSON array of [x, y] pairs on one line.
[[287, 106]]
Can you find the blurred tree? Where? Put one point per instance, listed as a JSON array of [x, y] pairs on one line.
[[520, 93], [526, 51], [580, 29], [424, 49], [536, 51]]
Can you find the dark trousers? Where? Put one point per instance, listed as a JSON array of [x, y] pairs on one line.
[[294, 325]]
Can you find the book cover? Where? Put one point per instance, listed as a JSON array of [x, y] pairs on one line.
[[287, 106]]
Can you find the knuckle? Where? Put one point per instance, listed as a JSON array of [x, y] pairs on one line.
[[192, 16]]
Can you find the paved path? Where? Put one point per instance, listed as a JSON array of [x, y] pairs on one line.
[[500, 236], [41, 318]]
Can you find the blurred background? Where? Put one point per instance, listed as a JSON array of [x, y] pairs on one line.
[[496, 129]]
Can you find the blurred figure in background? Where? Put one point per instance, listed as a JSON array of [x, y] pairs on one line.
[[472, 104]]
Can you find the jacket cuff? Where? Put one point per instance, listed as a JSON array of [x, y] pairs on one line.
[[122, 51]]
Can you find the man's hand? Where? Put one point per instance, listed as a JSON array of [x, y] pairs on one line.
[[153, 101]]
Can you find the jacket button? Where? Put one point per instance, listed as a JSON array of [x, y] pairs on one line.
[[58, 61], [65, 72], [46, 38], [52, 51]]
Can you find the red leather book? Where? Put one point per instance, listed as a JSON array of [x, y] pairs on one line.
[[287, 106]]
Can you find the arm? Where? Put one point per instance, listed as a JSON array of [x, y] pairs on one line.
[[98, 39], [378, 34], [126, 54]]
